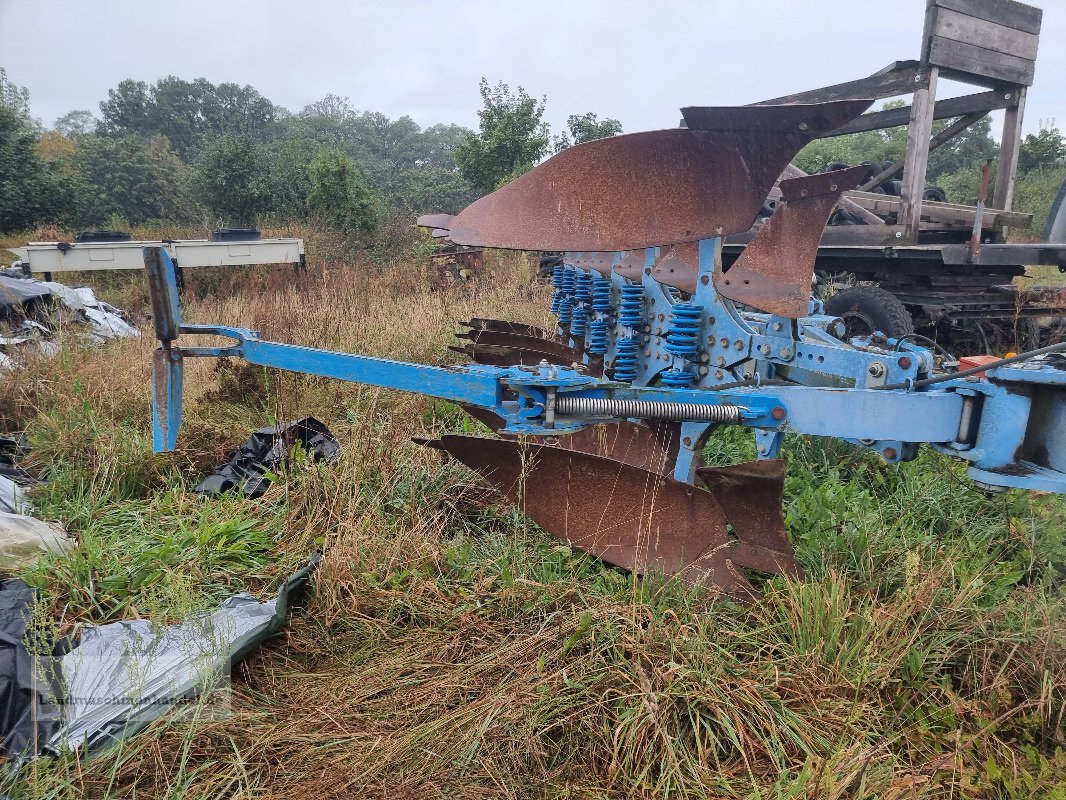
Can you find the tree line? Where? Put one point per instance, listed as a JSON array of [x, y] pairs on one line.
[[194, 151], [197, 152]]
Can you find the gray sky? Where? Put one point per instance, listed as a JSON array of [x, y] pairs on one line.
[[636, 60]]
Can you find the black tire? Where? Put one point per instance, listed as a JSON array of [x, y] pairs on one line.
[[866, 309]]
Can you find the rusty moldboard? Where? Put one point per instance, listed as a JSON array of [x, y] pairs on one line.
[[652, 446], [775, 271], [653, 188], [679, 266], [631, 517], [523, 342], [505, 326], [751, 496], [631, 267]]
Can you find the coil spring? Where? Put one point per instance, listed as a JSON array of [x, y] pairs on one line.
[[557, 286], [684, 335], [599, 337], [582, 295], [626, 360], [563, 300], [601, 295], [631, 307], [647, 409], [678, 378]]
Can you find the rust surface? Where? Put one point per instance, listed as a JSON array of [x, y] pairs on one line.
[[653, 188], [503, 356], [627, 516], [775, 271], [438, 221], [679, 266], [518, 341], [631, 267], [598, 262], [648, 446], [751, 497], [505, 326]]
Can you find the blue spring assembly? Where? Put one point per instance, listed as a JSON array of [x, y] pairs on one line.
[[601, 295], [684, 335], [627, 356], [565, 305], [557, 286], [599, 336], [582, 296], [682, 340], [631, 307]]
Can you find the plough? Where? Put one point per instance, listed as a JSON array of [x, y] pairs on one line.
[[602, 422]]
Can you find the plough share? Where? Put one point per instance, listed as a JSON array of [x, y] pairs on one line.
[[601, 422]]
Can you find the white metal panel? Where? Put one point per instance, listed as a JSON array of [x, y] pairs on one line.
[[82, 257]]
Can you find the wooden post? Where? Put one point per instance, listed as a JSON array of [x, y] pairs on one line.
[[917, 157], [1009, 147]]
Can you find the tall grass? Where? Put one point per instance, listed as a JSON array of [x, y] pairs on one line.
[[451, 649]]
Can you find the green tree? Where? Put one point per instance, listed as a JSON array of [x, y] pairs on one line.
[[188, 113], [130, 177], [1042, 150], [26, 189], [76, 123], [15, 97], [583, 128], [340, 193], [231, 179], [512, 137]]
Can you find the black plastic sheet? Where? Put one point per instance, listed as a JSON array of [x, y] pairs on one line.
[[265, 451]]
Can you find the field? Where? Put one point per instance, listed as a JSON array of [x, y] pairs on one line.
[[450, 649]]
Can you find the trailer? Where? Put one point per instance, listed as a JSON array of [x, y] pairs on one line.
[[901, 258]]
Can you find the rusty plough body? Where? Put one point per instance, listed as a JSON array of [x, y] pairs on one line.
[[600, 423]]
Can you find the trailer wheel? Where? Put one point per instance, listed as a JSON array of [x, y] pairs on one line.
[[866, 309]]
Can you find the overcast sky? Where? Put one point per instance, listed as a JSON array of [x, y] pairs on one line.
[[636, 60]]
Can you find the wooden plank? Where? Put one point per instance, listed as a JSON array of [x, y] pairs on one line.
[[792, 171], [950, 132], [989, 35], [1009, 147], [942, 109], [841, 235], [1004, 12], [897, 78], [917, 157], [954, 214], [975, 60]]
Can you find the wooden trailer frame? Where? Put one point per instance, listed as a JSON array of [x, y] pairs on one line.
[[987, 43]]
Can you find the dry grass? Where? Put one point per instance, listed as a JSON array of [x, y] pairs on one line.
[[449, 650]]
